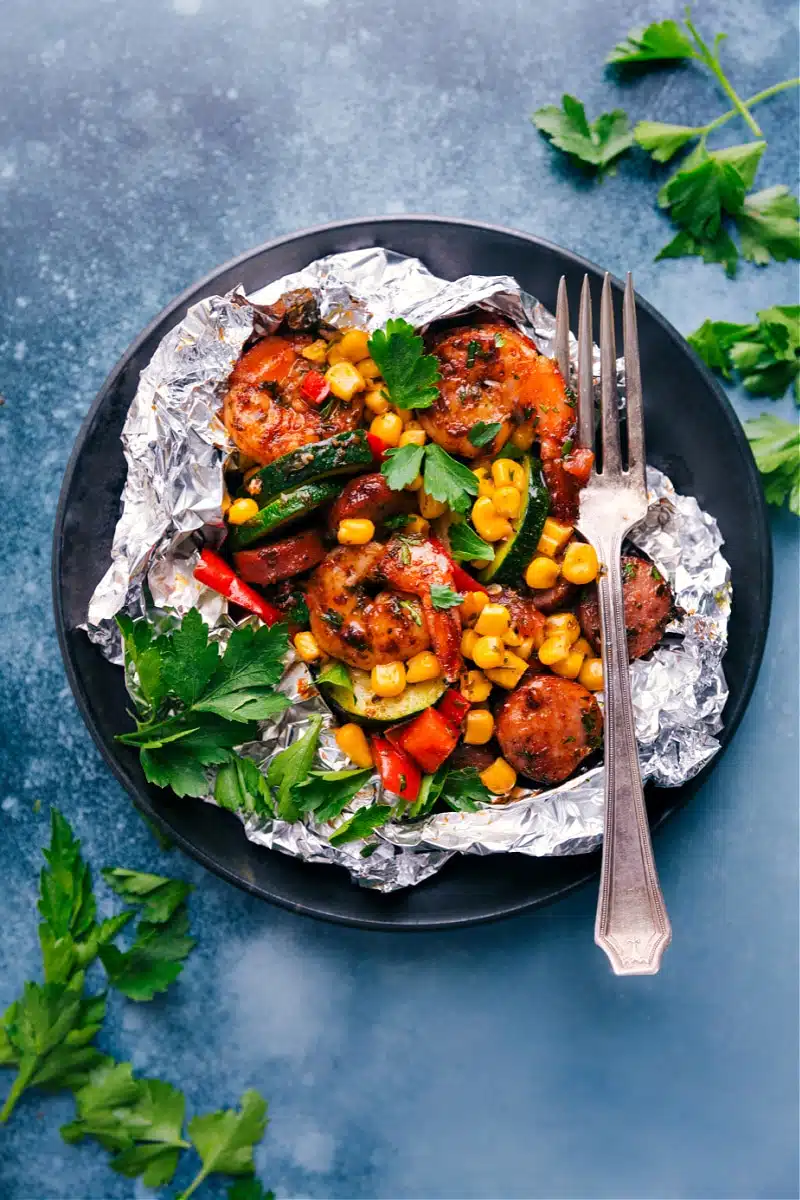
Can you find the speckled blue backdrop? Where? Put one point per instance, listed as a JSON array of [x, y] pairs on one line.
[[141, 143]]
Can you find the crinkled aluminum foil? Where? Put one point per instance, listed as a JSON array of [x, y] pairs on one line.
[[175, 445]]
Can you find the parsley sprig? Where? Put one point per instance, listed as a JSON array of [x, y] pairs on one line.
[[766, 354], [443, 477], [776, 448], [409, 373], [594, 145]]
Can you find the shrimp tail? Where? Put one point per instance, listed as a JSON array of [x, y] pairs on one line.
[[444, 628]]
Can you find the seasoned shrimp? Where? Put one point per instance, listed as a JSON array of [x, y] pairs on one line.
[[363, 629], [350, 623], [265, 410]]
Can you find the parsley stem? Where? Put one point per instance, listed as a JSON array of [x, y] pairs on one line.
[[748, 103], [709, 57], [194, 1185], [21, 1081]]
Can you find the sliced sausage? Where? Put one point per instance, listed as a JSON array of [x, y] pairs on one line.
[[648, 607], [280, 560], [526, 617], [547, 726], [369, 496]]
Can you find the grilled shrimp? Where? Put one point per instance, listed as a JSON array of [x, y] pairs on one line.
[[265, 410], [350, 623], [547, 726]]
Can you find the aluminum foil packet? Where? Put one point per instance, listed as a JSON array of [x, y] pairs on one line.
[[175, 445]]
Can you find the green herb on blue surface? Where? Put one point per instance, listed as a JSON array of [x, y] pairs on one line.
[[594, 145], [776, 448], [765, 354]]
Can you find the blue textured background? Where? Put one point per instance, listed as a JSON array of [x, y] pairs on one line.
[[141, 143]]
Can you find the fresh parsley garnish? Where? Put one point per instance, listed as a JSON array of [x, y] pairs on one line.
[[465, 544], [776, 448], [290, 768], [333, 618], [327, 793], [461, 790], [361, 824], [444, 478], [156, 896], [242, 788], [444, 597], [660, 42], [154, 960], [336, 674], [199, 705], [483, 432], [766, 355], [399, 521], [411, 609], [224, 1140], [409, 373], [628, 571], [594, 145]]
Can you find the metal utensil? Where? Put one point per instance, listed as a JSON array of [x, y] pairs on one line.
[[632, 925]]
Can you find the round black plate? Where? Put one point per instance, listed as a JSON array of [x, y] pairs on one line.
[[692, 433]]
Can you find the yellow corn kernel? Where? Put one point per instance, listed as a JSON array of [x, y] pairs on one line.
[[523, 436], [344, 380], [500, 777], [317, 352], [241, 511], [569, 667], [488, 652], [417, 524], [422, 667], [479, 563], [553, 649], [479, 727], [412, 437], [352, 741], [554, 537], [512, 638], [566, 623], [387, 427], [504, 677], [487, 523], [582, 647], [415, 485], [376, 402], [355, 531], [405, 414], [493, 620], [542, 572], [591, 675], [388, 679], [526, 648], [580, 563], [512, 662], [475, 686], [472, 604], [506, 472], [469, 640], [306, 646], [335, 353], [353, 345], [369, 368], [507, 501], [485, 485], [429, 507]]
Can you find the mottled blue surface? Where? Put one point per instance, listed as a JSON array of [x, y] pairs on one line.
[[141, 143]]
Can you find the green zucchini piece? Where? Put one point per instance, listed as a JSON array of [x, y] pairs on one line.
[[512, 557], [363, 704], [283, 508], [338, 455]]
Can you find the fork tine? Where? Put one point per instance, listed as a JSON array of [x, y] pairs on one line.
[[562, 330], [633, 386], [585, 377], [609, 405]]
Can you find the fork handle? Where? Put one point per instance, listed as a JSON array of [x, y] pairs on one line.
[[632, 926]]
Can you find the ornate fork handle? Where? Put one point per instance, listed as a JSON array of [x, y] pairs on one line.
[[632, 924]]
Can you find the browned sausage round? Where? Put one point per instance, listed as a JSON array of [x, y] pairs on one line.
[[280, 560], [369, 496], [547, 726], [526, 617], [648, 607], [556, 598], [479, 757]]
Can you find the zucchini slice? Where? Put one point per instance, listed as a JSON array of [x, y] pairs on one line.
[[338, 455], [281, 509], [512, 557], [364, 705]]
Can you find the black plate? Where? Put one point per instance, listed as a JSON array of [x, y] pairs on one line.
[[692, 433]]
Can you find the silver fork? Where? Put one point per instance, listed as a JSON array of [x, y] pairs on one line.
[[632, 925]]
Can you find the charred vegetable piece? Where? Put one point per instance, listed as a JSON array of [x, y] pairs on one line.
[[399, 773], [215, 573], [281, 510], [512, 557], [339, 455], [430, 739], [362, 703], [281, 560]]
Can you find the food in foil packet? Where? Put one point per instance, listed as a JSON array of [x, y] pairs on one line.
[[353, 604]]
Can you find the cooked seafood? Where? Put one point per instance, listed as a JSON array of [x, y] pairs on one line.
[[267, 411], [547, 726], [414, 564], [648, 607]]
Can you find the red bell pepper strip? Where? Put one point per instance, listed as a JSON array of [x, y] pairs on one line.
[[378, 447], [215, 573], [429, 739], [399, 773], [454, 707], [462, 579], [315, 388], [578, 463]]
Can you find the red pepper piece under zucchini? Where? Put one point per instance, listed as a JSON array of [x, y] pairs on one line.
[[454, 707], [430, 739], [398, 771], [215, 573]]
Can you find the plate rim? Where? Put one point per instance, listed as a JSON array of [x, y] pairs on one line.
[[755, 497]]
